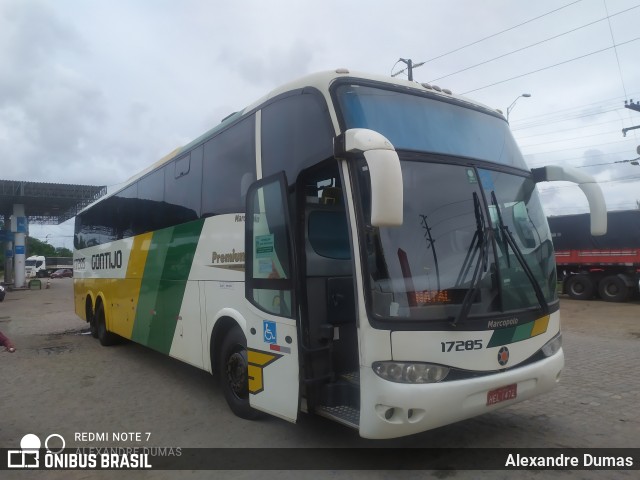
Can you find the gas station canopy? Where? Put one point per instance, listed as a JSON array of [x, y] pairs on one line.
[[22, 203], [46, 203]]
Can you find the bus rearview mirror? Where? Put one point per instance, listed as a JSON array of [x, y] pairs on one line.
[[384, 171]]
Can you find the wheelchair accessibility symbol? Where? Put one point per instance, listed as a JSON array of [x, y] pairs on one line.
[[269, 332]]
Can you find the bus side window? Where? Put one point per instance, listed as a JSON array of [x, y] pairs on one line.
[[328, 233], [296, 132], [245, 182], [183, 187], [227, 157]]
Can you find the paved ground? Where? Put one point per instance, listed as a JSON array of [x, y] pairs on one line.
[[62, 381]]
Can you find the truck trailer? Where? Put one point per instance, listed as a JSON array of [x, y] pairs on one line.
[[40, 266], [607, 266]]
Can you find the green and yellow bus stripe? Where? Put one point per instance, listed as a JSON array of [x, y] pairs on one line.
[[166, 271]]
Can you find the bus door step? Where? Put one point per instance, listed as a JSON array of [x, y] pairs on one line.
[[343, 414], [351, 377]]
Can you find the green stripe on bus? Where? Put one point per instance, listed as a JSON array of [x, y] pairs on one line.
[[165, 279], [501, 337], [505, 336], [523, 332]]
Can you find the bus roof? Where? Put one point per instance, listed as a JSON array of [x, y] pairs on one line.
[[321, 81]]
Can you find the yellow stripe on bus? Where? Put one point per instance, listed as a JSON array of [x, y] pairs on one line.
[[120, 296], [127, 293], [540, 326]]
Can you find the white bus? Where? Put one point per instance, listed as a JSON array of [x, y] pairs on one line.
[[367, 249]]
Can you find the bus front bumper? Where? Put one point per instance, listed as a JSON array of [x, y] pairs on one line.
[[389, 409]]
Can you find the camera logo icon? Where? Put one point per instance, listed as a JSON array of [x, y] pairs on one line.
[[29, 454]]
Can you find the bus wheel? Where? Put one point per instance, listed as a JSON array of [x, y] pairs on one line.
[[105, 336], [93, 327], [613, 289], [234, 380], [580, 287]]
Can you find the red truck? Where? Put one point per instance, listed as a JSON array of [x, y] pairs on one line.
[[606, 266]]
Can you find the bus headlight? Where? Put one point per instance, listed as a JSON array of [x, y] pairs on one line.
[[552, 346], [403, 372]]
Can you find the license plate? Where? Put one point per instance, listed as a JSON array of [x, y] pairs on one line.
[[502, 394]]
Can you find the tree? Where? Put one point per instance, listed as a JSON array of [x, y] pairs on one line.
[[63, 252], [36, 247]]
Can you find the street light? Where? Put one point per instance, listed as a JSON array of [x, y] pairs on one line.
[[510, 107]]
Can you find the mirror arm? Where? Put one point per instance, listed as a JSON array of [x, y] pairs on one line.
[[588, 185]]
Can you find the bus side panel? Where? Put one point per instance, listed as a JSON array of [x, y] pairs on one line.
[[125, 294], [119, 287], [169, 261], [187, 337]]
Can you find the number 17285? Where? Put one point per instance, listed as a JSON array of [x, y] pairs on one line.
[[461, 345]]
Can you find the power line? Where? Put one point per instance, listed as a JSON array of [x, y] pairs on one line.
[[569, 139], [583, 157], [633, 161], [535, 44], [613, 41], [590, 125], [613, 180], [613, 101], [552, 66], [582, 147], [410, 67], [501, 32], [563, 119], [550, 119]]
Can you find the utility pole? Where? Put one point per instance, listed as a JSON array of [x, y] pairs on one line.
[[410, 66], [632, 106]]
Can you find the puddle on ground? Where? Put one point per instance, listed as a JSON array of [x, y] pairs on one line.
[[54, 349], [73, 331]]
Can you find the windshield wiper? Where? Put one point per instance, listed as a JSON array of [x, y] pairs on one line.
[[507, 236], [480, 246]]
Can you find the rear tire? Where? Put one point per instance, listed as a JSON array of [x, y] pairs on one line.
[[613, 289], [233, 374], [93, 327], [580, 287], [91, 318], [105, 336]]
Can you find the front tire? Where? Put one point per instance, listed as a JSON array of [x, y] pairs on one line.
[[233, 374]]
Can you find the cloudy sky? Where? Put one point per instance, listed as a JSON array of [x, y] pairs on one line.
[[93, 91]]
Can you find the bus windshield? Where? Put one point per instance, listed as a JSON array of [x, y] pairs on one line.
[[471, 238], [474, 239], [413, 122]]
